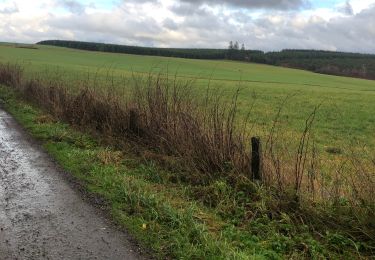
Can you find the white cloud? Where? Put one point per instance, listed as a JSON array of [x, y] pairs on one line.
[[360, 5], [172, 23], [8, 7]]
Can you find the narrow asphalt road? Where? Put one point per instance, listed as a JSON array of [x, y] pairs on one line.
[[42, 216]]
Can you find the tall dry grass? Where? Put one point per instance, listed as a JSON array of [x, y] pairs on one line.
[[207, 134]]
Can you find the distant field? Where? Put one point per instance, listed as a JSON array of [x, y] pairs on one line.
[[346, 118]]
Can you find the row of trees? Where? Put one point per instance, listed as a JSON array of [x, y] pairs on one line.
[[115, 48], [328, 62]]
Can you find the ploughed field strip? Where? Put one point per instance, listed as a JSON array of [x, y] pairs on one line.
[[41, 215]]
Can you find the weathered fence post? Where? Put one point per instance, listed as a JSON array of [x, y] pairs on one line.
[[133, 121], [256, 158]]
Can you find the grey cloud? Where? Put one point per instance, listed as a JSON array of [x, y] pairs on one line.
[[248, 4], [72, 5], [255, 4], [119, 27], [204, 27], [141, 1], [352, 33], [170, 24], [13, 8], [185, 9]]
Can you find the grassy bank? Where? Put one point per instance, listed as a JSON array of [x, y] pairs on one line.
[[344, 121], [171, 209]]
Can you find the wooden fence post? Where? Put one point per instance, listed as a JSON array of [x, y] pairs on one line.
[[256, 158], [133, 122]]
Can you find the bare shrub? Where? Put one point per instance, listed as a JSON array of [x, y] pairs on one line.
[[204, 132], [10, 74]]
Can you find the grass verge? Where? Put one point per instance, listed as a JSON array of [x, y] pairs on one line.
[[176, 219]]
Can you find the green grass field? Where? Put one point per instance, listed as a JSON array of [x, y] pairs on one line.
[[346, 118], [229, 217]]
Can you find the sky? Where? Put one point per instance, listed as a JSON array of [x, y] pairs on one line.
[[268, 25]]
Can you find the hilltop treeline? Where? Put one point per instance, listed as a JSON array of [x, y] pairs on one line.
[[166, 52], [326, 62], [214, 54]]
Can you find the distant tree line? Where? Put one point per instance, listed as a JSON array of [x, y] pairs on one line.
[[167, 52], [327, 62], [215, 54]]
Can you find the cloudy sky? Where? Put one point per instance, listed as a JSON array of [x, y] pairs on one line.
[[259, 24]]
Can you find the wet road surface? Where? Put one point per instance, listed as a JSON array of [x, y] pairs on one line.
[[42, 216]]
